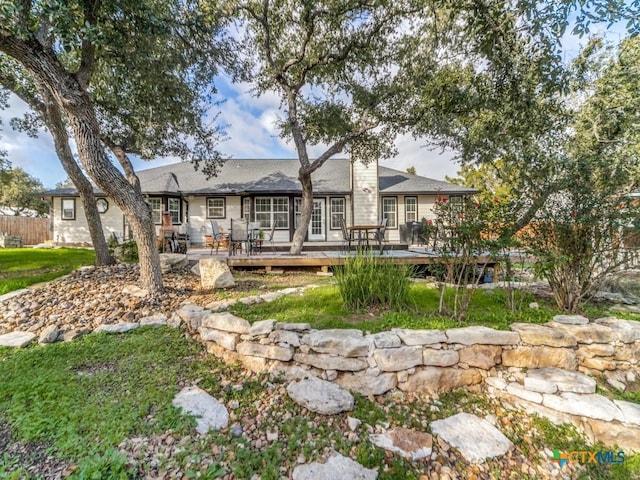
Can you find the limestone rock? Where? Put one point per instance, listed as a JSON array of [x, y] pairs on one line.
[[626, 331], [533, 334], [519, 391], [320, 396], [285, 336], [476, 438], [263, 327], [596, 350], [215, 273], [336, 467], [437, 379], [227, 322], [155, 320], [440, 358], [295, 327], [625, 282], [210, 414], [481, 356], [539, 357], [16, 339], [592, 405], [272, 352], [367, 385], [630, 411], [396, 359], [538, 385], [224, 339], [590, 333], [405, 442], [330, 362], [571, 319], [599, 364], [172, 261], [564, 380], [347, 343], [192, 315], [496, 382], [135, 291], [116, 327], [385, 340], [49, 334], [482, 335], [419, 337]]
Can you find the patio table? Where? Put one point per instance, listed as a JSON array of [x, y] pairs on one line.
[[362, 232]]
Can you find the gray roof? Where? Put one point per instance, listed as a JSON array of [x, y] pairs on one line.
[[256, 176]]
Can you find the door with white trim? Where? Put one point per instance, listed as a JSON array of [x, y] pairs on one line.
[[317, 226]]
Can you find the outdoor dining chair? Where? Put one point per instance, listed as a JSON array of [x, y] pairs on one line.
[[239, 235], [347, 236], [216, 237]]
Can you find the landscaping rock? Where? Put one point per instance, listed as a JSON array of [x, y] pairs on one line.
[[496, 382], [336, 467], [215, 273], [224, 339], [481, 356], [396, 359], [368, 385], [172, 261], [630, 411], [329, 362], [295, 327], [626, 282], [564, 380], [285, 336], [405, 442], [592, 405], [475, 438], [591, 333], [16, 339], [626, 331], [437, 379], [227, 322], [539, 357], [116, 328], [533, 334], [385, 340], [192, 315], [320, 396], [419, 337], [519, 391], [347, 343], [49, 334], [596, 350], [272, 352], [263, 327], [155, 320], [571, 319], [210, 414], [135, 291], [439, 358], [482, 335]]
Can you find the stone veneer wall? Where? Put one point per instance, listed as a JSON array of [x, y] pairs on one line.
[[437, 361]]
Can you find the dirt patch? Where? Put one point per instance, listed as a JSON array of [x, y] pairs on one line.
[[90, 370]]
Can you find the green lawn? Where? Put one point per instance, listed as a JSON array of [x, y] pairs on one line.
[[322, 308], [21, 267]]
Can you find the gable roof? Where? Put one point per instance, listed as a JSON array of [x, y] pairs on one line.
[[255, 176]]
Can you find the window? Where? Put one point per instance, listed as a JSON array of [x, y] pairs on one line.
[[268, 210], [390, 211], [173, 207], [216, 208], [155, 204], [410, 209], [68, 209], [246, 208], [337, 213]]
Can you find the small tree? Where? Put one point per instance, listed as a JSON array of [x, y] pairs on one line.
[[19, 193]]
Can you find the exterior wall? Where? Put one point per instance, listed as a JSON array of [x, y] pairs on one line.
[[200, 225], [425, 210], [77, 231], [364, 182]]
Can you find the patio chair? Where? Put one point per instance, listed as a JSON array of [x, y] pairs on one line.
[[347, 236], [379, 235], [216, 237], [239, 235], [269, 238]]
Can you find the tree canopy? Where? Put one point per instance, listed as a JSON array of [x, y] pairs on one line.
[[20, 193]]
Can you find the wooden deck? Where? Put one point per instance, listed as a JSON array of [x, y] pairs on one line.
[[324, 259]]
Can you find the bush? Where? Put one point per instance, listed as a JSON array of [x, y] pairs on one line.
[[123, 252], [366, 281]]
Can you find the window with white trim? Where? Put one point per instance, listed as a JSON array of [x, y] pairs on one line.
[[337, 213], [68, 211], [216, 208], [155, 204], [390, 211], [410, 209], [246, 208], [173, 207], [272, 209]]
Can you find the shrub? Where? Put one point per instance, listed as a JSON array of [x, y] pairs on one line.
[[123, 252], [365, 281]]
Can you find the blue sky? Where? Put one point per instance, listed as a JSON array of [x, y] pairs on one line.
[[250, 126]]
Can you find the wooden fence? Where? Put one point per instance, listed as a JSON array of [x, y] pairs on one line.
[[32, 230]]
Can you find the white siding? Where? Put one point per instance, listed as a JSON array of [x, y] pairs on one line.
[[364, 179], [77, 231]]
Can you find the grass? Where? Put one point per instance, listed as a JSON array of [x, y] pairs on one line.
[[322, 307], [21, 267]]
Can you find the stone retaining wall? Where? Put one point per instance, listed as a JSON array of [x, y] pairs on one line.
[[9, 241]]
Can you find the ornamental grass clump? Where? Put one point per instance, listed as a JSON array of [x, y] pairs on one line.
[[366, 281]]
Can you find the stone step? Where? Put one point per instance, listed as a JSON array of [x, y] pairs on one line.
[[551, 380]]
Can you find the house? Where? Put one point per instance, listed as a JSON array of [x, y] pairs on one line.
[[265, 191]]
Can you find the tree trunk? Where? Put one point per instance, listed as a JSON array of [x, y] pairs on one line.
[[307, 208], [53, 119]]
